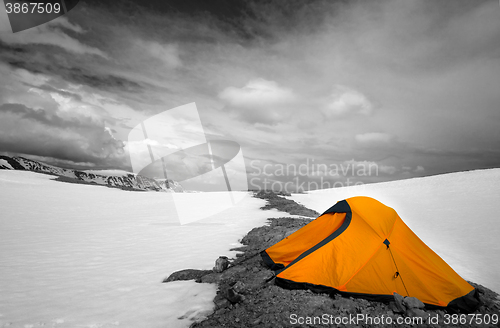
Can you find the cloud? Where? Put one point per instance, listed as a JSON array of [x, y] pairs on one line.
[[40, 97], [167, 54], [331, 73], [52, 34], [373, 138], [346, 101], [388, 169], [257, 93], [51, 89], [419, 169], [77, 139], [97, 79], [259, 100], [40, 115], [423, 36]]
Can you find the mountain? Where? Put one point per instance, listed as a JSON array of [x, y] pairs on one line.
[[170, 184], [110, 178]]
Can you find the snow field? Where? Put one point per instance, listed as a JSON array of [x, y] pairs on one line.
[[75, 255]]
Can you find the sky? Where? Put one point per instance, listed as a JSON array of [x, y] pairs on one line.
[[321, 93]]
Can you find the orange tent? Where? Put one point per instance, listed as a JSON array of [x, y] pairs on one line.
[[360, 247]]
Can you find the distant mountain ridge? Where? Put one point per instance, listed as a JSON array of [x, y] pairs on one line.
[[115, 179]]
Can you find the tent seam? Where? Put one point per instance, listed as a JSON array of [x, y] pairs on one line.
[[364, 264]]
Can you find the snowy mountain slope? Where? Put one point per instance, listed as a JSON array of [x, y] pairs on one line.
[[170, 184], [455, 214], [113, 178], [35, 166]]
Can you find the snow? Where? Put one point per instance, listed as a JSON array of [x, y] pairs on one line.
[[75, 255], [5, 164], [455, 214]]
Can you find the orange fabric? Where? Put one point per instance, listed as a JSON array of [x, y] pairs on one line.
[[300, 241], [358, 261]]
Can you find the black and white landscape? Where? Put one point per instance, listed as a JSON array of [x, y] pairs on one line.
[[316, 99]]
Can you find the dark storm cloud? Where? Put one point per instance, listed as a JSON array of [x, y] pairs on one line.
[[96, 81], [410, 85], [84, 74], [46, 118], [75, 74], [224, 14], [75, 139]]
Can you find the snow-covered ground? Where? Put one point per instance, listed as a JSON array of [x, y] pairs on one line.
[[75, 255], [456, 214]]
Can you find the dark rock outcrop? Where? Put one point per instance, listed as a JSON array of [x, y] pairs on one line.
[[277, 201], [221, 264], [187, 274]]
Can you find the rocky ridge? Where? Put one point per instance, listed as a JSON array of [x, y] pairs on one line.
[[125, 180]]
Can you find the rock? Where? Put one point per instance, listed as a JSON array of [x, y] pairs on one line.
[[415, 312], [240, 249], [233, 296], [399, 302], [221, 302], [187, 274], [268, 276], [440, 313], [239, 287], [256, 281], [413, 303], [221, 264], [232, 273], [283, 204], [220, 312], [345, 305], [256, 322], [211, 278]]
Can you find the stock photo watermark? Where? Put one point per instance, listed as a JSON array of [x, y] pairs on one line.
[[22, 15], [375, 320], [309, 175], [172, 147]]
